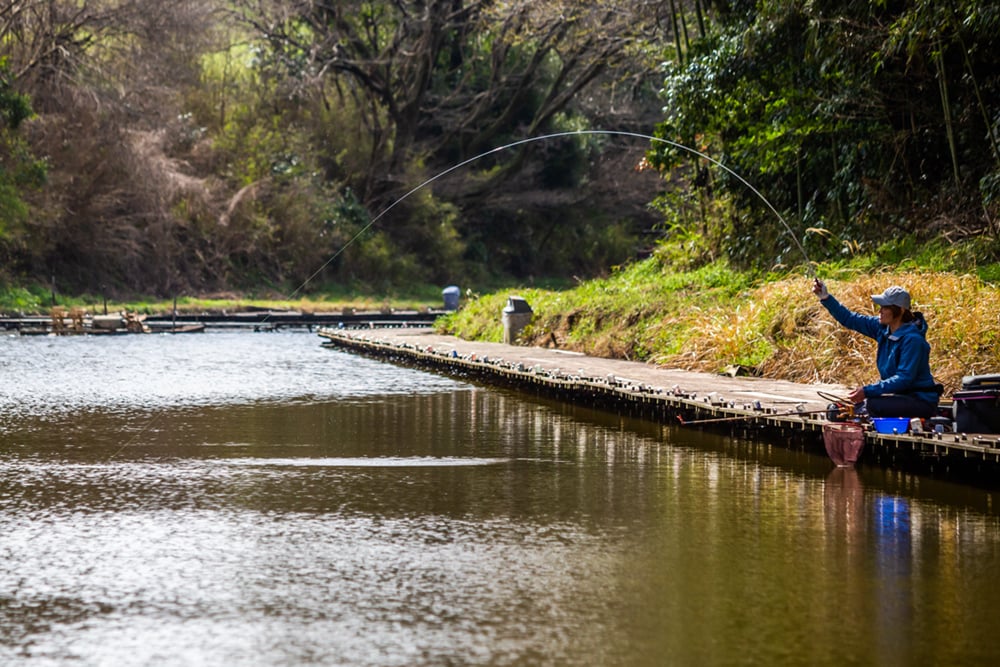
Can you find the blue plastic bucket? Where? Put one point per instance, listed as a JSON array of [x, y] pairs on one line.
[[891, 424]]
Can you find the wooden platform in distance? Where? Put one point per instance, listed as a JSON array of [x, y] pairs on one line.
[[256, 319], [759, 405]]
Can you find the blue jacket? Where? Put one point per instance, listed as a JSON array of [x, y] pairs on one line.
[[903, 357]]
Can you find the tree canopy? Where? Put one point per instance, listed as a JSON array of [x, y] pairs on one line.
[[211, 144]]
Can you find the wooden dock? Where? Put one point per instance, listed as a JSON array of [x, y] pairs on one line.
[[784, 412], [259, 320]]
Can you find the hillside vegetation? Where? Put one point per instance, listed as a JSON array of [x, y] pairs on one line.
[[365, 146]]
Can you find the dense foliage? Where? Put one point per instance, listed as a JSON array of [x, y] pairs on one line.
[[201, 145], [198, 145], [859, 122]]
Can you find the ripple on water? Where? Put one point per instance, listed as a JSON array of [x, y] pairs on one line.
[[242, 586]]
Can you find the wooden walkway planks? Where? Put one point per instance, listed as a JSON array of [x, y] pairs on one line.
[[657, 393]]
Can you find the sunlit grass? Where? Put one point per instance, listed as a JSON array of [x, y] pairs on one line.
[[717, 320]]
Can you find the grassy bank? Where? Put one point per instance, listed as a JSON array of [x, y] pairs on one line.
[[717, 320], [39, 301], [711, 319]]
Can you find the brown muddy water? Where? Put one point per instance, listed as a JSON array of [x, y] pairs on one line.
[[257, 499]]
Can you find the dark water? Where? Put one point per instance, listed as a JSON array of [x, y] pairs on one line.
[[256, 499]]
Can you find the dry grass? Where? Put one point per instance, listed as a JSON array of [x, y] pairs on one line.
[[774, 329], [962, 315]]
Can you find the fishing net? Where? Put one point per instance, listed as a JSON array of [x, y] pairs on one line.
[[844, 442]]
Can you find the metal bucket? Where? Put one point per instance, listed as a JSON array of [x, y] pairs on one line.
[[844, 442]]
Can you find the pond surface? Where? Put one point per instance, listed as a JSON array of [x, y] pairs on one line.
[[258, 499]]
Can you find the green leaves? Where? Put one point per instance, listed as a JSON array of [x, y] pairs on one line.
[[837, 113]]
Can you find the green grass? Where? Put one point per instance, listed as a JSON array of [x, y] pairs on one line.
[[23, 299], [37, 300], [715, 319]]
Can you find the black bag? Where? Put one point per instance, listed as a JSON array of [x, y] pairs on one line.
[[977, 405]]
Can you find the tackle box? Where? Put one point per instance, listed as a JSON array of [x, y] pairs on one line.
[[977, 405]]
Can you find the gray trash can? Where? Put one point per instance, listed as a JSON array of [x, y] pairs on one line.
[[516, 315], [451, 294]]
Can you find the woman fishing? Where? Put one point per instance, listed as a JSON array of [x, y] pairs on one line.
[[906, 388]]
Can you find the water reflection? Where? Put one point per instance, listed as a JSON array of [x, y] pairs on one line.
[[844, 503], [320, 518], [123, 374]]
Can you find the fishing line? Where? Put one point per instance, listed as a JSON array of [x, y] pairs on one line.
[[520, 142], [556, 135], [148, 425]]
